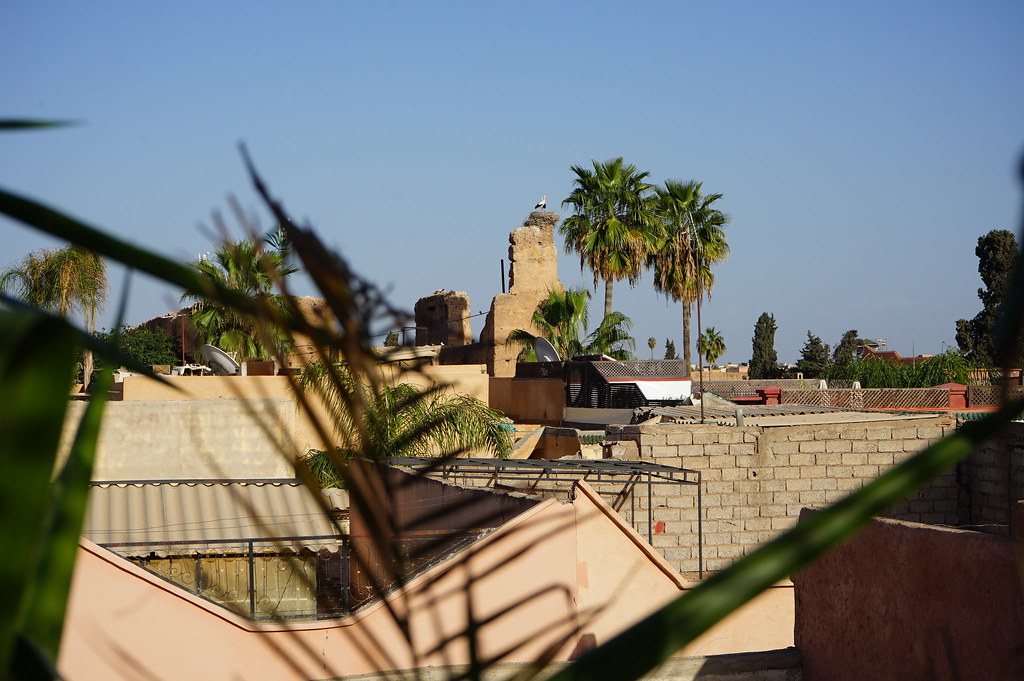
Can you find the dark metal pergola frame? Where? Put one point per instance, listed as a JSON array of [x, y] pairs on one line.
[[554, 470]]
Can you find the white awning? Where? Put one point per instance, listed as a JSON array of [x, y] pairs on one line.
[[670, 389]]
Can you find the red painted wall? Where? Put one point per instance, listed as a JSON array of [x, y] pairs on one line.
[[907, 601]]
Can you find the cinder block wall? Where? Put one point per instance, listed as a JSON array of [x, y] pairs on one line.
[[991, 482], [755, 480]]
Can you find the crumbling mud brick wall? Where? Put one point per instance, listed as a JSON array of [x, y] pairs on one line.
[[533, 271], [442, 318]]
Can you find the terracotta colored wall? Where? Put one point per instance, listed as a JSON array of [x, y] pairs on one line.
[[527, 400], [907, 601], [468, 379]]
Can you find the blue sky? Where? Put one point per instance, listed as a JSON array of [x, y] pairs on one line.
[[862, 148]]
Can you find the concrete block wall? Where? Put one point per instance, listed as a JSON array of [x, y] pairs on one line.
[[991, 482], [755, 480], [193, 439]]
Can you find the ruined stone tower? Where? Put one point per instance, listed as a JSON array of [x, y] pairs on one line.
[[443, 319], [533, 271]]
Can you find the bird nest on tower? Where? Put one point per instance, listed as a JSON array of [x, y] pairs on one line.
[[542, 218]]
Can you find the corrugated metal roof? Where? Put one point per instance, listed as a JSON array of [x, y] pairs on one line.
[[159, 512]]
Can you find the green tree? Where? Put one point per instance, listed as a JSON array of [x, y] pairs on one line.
[[391, 341], [693, 240], [613, 226], [562, 318], [764, 364], [711, 345], [147, 347], [652, 343], [245, 267], [63, 281], [845, 350], [814, 360], [399, 421], [997, 254], [611, 337], [670, 349]]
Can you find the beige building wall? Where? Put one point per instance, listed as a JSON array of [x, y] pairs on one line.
[[991, 483], [229, 426], [191, 439]]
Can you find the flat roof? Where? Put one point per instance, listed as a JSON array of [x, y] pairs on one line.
[[780, 415]]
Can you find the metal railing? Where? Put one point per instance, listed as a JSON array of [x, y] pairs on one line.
[[288, 578], [556, 475]]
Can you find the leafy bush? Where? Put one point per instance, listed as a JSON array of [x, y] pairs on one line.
[[949, 367], [148, 347]]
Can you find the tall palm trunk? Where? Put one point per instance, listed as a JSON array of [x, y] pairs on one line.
[[607, 297], [686, 335]]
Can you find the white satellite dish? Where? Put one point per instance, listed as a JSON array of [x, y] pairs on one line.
[[219, 361], [545, 351]]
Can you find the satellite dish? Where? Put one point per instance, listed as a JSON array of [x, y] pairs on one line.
[[545, 351], [219, 361]]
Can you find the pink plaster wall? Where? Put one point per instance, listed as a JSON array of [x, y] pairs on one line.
[[908, 601], [623, 579], [126, 623], [553, 567]]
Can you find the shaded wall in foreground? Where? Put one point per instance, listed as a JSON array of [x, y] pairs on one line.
[[908, 601]]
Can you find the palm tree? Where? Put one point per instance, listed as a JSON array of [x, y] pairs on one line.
[[398, 421], [62, 281], [652, 343], [246, 267], [613, 226], [562, 319], [694, 239], [711, 345]]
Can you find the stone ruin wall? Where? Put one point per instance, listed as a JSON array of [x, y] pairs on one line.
[[443, 319], [533, 271]]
